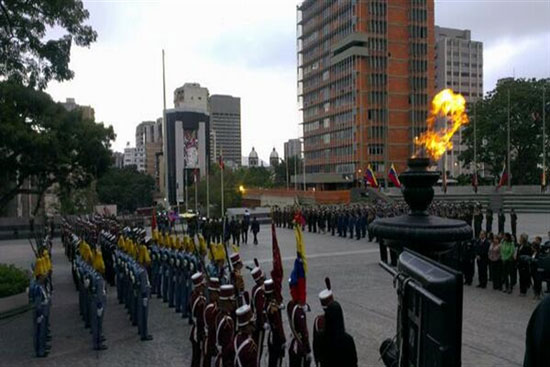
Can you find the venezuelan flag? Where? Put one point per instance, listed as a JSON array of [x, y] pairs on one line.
[[370, 177], [297, 281], [393, 176]]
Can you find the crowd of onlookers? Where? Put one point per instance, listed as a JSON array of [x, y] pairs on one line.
[[506, 261]]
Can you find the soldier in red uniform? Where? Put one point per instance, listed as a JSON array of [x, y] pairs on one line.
[[210, 313], [276, 341], [198, 303], [319, 345], [225, 327], [258, 307], [299, 352], [246, 350]]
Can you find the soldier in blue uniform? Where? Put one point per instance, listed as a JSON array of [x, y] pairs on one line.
[[143, 304], [98, 302], [40, 300]]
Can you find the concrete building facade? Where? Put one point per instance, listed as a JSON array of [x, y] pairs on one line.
[[87, 111], [292, 148], [225, 127], [192, 97], [365, 80], [458, 66]]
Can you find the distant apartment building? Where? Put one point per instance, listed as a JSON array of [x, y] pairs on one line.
[[225, 129], [134, 156], [459, 66], [118, 159], [292, 148], [365, 80], [87, 111]]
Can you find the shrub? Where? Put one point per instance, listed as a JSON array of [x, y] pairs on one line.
[[12, 280]]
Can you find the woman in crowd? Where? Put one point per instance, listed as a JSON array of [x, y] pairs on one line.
[[495, 263], [507, 252]]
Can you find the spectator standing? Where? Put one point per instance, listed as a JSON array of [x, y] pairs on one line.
[[537, 279], [507, 252], [255, 227], [482, 258], [495, 263], [524, 253]]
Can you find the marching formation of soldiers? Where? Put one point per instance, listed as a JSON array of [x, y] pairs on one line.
[[40, 295], [230, 325]]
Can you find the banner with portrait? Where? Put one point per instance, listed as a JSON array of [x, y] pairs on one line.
[[191, 149]]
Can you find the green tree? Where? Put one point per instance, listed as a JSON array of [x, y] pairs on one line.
[[42, 143], [525, 130], [294, 168], [127, 188], [27, 53]]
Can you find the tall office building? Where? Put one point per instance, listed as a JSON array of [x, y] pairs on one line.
[[186, 145], [459, 66], [225, 129], [365, 79], [293, 148]]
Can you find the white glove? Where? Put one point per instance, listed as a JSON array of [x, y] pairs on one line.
[[283, 346], [39, 319], [145, 301], [86, 283], [309, 358], [266, 326], [99, 312]]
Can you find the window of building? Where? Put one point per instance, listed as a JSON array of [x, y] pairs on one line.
[[326, 75], [377, 8], [376, 149], [326, 123]]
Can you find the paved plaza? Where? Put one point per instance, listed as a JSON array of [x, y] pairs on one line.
[[493, 328]]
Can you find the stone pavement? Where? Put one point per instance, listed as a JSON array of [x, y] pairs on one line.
[[493, 328]]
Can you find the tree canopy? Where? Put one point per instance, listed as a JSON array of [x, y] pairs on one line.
[[42, 142], [127, 188], [27, 52], [525, 130]]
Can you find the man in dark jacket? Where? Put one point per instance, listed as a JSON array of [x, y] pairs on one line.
[[537, 353], [255, 228], [482, 258]]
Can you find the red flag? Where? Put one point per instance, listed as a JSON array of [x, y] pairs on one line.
[[154, 220], [222, 165], [503, 177], [277, 272]]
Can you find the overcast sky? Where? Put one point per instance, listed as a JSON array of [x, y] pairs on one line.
[[248, 49]]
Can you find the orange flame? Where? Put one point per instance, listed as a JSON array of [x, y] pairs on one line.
[[452, 107]]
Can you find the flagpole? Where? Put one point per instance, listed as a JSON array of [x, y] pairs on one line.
[[222, 194], [509, 183], [544, 137], [196, 194], [164, 127], [208, 187], [475, 144]]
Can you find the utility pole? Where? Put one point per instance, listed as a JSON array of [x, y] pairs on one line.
[[509, 183]]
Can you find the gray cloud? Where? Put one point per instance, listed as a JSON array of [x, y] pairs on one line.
[[258, 49], [492, 20]]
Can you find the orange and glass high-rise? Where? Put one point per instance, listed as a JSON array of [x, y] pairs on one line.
[[365, 80]]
